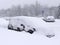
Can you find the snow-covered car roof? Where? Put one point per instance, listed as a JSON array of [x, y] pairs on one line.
[[50, 16]]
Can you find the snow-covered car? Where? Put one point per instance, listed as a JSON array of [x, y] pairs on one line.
[[20, 25], [49, 19], [16, 28], [29, 29], [16, 24]]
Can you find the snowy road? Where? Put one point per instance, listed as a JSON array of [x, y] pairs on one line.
[[9, 37]]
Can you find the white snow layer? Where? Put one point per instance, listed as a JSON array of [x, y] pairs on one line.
[[8, 37], [3, 22]]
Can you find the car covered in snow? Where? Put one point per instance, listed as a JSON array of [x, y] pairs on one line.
[[14, 25], [49, 19], [20, 24]]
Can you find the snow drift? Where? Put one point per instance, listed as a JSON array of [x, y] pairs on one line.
[[3, 22]]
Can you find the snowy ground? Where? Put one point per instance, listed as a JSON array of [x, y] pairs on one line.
[[9, 37]]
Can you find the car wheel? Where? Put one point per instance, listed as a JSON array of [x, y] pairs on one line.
[[34, 29], [18, 29], [30, 31], [10, 27]]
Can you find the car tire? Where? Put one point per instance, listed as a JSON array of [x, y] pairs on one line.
[[18, 29], [30, 31], [34, 29], [10, 27]]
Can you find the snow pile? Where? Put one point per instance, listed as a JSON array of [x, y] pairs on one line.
[[3, 22], [8, 37]]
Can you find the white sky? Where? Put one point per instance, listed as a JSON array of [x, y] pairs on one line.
[[8, 3]]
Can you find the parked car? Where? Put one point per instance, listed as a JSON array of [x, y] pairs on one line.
[[29, 29], [16, 28], [49, 19], [20, 25]]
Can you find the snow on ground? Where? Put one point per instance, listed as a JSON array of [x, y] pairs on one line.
[[3, 22], [9, 37]]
